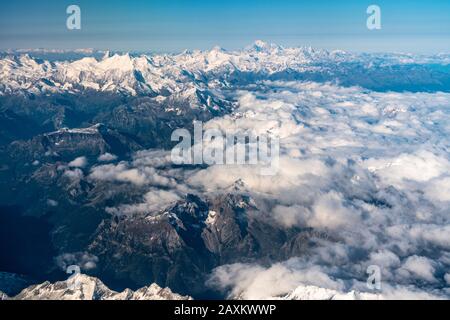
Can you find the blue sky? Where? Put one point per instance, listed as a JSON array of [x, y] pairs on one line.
[[174, 25]]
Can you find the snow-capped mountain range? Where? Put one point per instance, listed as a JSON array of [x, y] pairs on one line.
[[186, 73], [83, 287]]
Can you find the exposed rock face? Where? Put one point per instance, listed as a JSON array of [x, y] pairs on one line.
[[82, 287], [181, 245], [70, 143], [165, 248]]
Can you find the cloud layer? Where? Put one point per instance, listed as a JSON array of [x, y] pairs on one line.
[[369, 170]]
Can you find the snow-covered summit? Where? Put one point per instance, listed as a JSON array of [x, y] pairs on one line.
[[306, 292], [162, 74], [262, 46], [83, 287]]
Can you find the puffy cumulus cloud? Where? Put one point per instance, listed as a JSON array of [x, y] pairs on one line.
[[154, 200], [330, 213], [290, 173], [294, 279], [447, 278], [74, 174], [125, 172], [255, 282], [438, 189], [79, 162], [107, 157], [371, 170], [423, 235], [290, 216], [384, 258], [150, 174], [84, 260], [421, 166], [119, 172], [421, 267]]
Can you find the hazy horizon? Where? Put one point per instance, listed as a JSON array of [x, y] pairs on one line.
[[160, 26]]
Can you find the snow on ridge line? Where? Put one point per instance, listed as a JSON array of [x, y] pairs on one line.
[[89, 130], [176, 72], [83, 287]]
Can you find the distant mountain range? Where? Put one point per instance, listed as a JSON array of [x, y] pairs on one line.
[[192, 74], [82, 287]]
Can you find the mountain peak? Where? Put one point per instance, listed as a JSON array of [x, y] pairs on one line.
[[237, 186], [262, 46], [218, 48], [118, 62], [84, 287]]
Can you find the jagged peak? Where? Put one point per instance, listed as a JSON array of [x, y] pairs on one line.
[[239, 186], [162, 72], [84, 287], [218, 49], [263, 46], [122, 62]]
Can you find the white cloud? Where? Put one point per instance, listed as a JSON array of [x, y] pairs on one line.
[[384, 258], [439, 189], [253, 282], [123, 172], [422, 166], [107, 157], [330, 213], [75, 174], [447, 278], [368, 169], [421, 267], [154, 200], [293, 280], [79, 162], [84, 260]]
